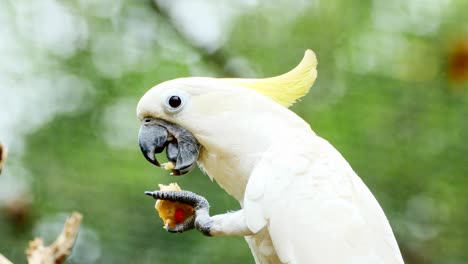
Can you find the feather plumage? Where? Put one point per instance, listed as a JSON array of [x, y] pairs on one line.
[[314, 204], [287, 88]]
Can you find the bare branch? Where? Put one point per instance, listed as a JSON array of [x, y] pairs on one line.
[[3, 155], [4, 260], [58, 251]]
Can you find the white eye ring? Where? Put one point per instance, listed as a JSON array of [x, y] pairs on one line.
[[175, 101]]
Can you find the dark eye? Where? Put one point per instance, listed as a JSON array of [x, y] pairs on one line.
[[175, 101]]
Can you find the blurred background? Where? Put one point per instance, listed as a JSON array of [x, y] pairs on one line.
[[391, 96]]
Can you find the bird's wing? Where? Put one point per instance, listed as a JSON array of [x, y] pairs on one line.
[[317, 209]]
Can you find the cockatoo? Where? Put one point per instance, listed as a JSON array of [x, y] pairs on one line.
[[301, 202]]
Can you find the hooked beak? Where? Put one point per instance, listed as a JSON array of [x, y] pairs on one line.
[[182, 148]]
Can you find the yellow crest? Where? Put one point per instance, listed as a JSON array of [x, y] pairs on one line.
[[287, 88]]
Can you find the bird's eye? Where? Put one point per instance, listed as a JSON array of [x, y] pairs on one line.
[[174, 101]]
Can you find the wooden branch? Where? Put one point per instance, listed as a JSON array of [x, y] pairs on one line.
[[58, 251], [4, 260], [3, 155]]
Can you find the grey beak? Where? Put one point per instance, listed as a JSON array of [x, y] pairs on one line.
[[183, 148], [152, 140]]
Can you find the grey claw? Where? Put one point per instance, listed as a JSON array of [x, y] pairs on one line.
[[201, 219], [186, 197], [182, 227]]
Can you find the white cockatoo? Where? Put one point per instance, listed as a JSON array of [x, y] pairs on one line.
[[301, 202]]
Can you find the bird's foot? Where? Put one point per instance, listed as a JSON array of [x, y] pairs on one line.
[[200, 220]]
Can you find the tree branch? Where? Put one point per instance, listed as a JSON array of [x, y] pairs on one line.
[[3, 155], [4, 260], [58, 251]]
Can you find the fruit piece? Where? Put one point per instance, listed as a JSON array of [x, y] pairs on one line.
[[168, 166], [172, 213], [179, 215]]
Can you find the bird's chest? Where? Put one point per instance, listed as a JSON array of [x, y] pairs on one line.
[[230, 173]]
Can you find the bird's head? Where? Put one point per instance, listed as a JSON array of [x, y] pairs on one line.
[[225, 115]]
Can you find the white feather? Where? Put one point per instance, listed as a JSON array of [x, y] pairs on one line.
[[324, 214]]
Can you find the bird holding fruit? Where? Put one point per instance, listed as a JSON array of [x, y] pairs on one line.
[[301, 202]]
